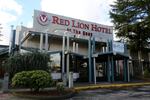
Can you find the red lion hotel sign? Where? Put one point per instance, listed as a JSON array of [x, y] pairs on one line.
[[47, 22]]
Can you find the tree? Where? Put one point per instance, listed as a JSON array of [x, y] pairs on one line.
[[131, 19], [27, 62]]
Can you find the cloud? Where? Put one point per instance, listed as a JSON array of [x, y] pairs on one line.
[[90, 10], [6, 17], [10, 10], [5, 38], [30, 24], [10, 5]]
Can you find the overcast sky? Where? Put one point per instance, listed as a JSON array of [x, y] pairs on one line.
[[15, 12]]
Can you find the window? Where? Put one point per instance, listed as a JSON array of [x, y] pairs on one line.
[[54, 63]]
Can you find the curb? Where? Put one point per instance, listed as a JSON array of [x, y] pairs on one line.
[[67, 96], [104, 86]]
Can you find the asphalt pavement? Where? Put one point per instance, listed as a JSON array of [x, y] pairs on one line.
[[138, 93], [131, 93]]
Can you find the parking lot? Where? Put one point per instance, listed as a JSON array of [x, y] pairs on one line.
[[140, 93]]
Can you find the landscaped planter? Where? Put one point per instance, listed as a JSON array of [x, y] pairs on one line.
[[45, 95]]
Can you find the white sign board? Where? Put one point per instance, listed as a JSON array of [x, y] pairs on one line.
[[118, 47], [56, 76], [50, 23]]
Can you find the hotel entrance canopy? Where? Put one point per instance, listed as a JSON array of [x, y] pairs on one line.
[[102, 57]]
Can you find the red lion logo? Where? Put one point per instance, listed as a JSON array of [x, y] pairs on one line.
[[43, 19]]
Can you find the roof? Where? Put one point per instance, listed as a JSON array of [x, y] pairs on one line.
[[29, 49], [78, 55], [4, 49]]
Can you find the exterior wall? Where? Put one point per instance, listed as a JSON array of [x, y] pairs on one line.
[[21, 33], [17, 39], [83, 48], [55, 44], [33, 42]]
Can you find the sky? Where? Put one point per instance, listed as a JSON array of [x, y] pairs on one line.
[[20, 12]]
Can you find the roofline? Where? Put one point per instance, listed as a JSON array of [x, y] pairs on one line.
[[110, 53]]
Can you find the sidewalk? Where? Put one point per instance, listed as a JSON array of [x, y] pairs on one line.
[[81, 87]]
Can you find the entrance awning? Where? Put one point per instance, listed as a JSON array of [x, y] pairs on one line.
[[104, 56], [78, 55], [4, 50]]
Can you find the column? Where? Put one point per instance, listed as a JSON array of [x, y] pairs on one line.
[[73, 47], [89, 57], [77, 47], [63, 56], [112, 69], [41, 41], [128, 71], [108, 69], [94, 62], [125, 69], [19, 41], [64, 75], [93, 45], [46, 41], [68, 61]]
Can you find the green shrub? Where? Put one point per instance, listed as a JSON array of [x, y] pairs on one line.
[[21, 79], [60, 87], [35, 80], [146, 73]]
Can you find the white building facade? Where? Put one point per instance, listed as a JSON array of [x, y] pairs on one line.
[[71, 43]]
